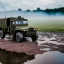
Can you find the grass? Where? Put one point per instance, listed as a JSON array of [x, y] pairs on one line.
[[48, 25], [51, 28]]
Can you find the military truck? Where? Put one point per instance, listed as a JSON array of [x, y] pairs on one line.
[[18, 27]]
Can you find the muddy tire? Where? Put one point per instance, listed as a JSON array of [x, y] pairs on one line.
[[34, 37], [2, 34], [19, 37]]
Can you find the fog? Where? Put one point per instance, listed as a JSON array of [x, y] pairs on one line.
[[37, 19], [28, 14]]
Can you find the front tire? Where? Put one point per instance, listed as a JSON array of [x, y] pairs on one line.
[[34, 37], [19, 37]]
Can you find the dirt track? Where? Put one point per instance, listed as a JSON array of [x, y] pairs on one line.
[[30, 48]]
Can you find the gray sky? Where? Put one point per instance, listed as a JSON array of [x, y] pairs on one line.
[[29, 4]]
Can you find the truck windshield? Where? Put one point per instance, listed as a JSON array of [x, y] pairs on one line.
[[21, 22]]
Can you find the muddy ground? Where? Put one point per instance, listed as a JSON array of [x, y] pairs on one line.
[[46, 41]]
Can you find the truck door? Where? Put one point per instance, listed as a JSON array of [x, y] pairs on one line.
[[8, 22], [12, 27]]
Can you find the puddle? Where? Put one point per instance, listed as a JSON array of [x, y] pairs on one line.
[[51, 57], [54, 57], [46, 49], [14, 58]]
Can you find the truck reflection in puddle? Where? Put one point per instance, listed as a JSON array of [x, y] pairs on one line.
[[14, 58]]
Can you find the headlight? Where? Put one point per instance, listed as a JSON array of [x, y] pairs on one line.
[[34, 29], [23, 30], [26, 30]]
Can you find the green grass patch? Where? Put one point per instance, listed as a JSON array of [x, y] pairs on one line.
[[49, 25]]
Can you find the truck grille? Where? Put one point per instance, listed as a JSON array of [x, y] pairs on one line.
[[31, 30]]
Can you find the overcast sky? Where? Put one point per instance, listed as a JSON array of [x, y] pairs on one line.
[[29, 4]]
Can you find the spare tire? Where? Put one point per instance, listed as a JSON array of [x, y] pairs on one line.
[[19, 37]]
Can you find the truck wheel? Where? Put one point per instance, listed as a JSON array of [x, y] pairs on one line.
[[19, 37], [2, 34], [34, 37]]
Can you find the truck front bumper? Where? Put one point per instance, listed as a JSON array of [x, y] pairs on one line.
[[31, 33]]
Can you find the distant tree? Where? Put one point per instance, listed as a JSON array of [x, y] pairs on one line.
[[34, 10], [38, 10], [28, 10], [55, 10], [49, 11], [19, 9]]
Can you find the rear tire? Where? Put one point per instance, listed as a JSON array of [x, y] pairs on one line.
[[2, 34], [19, 37]]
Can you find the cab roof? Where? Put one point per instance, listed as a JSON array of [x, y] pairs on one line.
[[18, 18]]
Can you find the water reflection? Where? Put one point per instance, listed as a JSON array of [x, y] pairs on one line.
[[14, 58], [53, 57]]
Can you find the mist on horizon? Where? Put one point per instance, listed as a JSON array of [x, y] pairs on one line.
[[38, 20]]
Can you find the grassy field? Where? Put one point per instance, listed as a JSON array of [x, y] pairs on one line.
[[48, 24]]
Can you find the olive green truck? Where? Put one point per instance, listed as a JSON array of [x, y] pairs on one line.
[[18, 27]]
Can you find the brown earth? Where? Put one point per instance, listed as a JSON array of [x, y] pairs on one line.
[[30, 48]]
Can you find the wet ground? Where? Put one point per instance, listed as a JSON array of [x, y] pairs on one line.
[[48, 49]]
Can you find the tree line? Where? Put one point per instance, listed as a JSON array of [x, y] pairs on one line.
[[55, 10]]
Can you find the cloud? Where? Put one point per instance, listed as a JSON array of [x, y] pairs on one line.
[[29, 4]]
